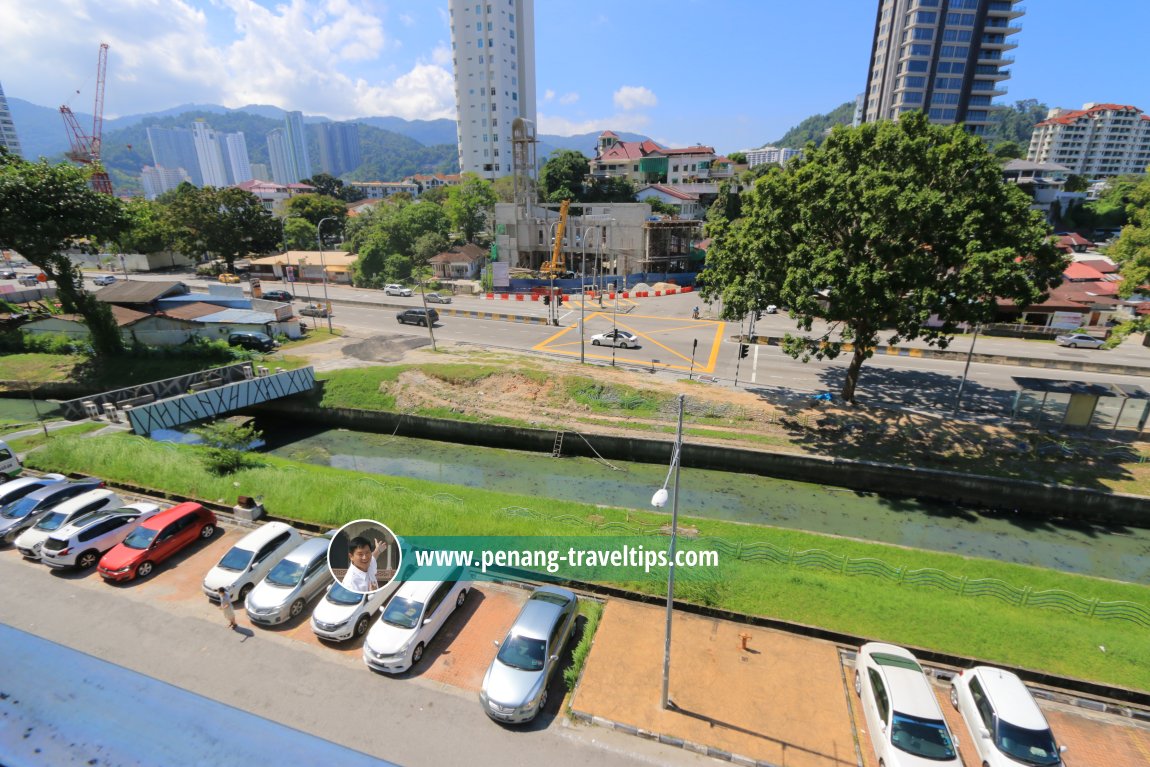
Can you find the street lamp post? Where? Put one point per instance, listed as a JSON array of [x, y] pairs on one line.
[[659, 500], [323, 265], [283, 237], [965, 370]]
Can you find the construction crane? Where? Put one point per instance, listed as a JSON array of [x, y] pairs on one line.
[[555, 266], [86, 147]]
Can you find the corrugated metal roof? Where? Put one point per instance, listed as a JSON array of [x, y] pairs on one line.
[[139, 292], [239, 317], [190, 311]]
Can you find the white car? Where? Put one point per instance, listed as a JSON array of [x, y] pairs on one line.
[[1079, 340], [620, 338], [903, 718], [1005, 723], [287, 588], [82, 543], [249, 560], [410, 621], [343, 614], [396, 290], [29, 542]]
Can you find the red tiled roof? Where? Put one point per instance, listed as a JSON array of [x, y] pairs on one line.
[[125, 316], [1074, 238], [630, 150], [697, 149], [466, 254], [609, 134], [192, 311], [1066, 118], [671, 191], [1102, 265], [1080, 271]]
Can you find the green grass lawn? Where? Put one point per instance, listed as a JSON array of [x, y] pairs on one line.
[[984, 628]]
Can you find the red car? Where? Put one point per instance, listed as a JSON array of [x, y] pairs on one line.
[[157, 539]]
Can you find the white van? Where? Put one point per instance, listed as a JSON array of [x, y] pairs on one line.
[[10, 465]]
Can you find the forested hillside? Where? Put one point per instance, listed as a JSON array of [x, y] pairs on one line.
[[815, 128]]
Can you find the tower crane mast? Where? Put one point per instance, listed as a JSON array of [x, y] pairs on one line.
[[86, 147]]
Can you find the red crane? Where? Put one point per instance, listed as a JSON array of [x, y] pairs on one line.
[[86, 147]]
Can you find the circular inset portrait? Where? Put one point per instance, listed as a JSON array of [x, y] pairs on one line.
[[364, 556]]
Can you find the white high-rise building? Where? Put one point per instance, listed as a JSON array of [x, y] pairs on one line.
[[493, 51], [278, 155], [211, 157], [236, 151], [1097, 141], [8, 138], [157, 180], [298, 156]]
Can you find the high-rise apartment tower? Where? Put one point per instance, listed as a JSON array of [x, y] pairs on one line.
[[948, 58], [8, 138], [493, 51]]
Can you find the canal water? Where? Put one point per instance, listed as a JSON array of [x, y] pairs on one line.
[[1118, 553]]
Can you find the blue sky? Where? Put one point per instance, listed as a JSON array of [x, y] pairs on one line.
[[730, 73]]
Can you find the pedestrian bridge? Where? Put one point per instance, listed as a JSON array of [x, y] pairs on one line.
[[200, 396]]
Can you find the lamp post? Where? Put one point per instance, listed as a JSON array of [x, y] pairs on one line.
[[965, 370], [323, 265], [283, 238], [659, 500]]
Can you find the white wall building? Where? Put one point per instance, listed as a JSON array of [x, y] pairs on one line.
[[210, 155], [298, 156], [493, 52], [769, 154], [1097, 141], [157, 180], [236, 156]]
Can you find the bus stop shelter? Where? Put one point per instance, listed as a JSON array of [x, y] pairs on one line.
[[1079, 405]]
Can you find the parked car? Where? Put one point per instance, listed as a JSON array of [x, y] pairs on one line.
[[104, 279], [15, 489], [29, 542], [278, 295], [29, 280], [249, 560], [411, 620], [82, 543], [620, 338], [10, 465], [417, 317], [228, 278], [343, 614], [396, 290], [1076, 340], [903, 717], [291, 584], [1006, 725], [515, 687], [438, 298], [155, 540], [316, 310], [772, 309], [253, 340], [7, 274], [19, 515]]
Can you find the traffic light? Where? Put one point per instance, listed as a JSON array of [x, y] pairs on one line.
[[758, 315], [559, 299], [744, 350], [546, 300]]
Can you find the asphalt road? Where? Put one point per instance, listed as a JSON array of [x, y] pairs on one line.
[[314, 689]]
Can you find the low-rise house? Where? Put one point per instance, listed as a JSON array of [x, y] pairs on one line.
[[688, 203], [460, 262], [306, 266]]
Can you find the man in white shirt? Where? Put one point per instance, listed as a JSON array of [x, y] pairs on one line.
[[360, 576]]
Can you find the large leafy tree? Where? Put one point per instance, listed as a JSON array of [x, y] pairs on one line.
[[315, 208], [1132, 251], [562, 175], [876, 231], [386, 239], [329, 185], [149, 229], [46, 209], [229, 223], [468, 205], [610, 189]]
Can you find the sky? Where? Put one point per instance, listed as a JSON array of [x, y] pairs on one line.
[[732, 74]]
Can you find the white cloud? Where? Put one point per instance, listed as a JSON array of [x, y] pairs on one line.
[[548, 94], [569, 98], [561, 126], [633, 97]]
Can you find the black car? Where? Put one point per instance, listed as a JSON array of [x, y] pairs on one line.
[[278, 295], [417, 316], [7, 274], [253, 340]]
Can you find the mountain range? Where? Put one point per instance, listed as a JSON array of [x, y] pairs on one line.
[[391, 146]]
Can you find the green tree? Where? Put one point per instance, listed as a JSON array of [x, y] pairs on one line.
[[437, 195], [468, 206], [660, 208], [226, 446], [1015, 123], [386, 241], [1009, 150], [1132, 250], [504, 189], [738, 158], [228, 223], [300, 234], [315, 208], [149, 229], [817, 128], [46, 209], [610, 189], [561, 177], [881, 227], [326, 184], [1076, 183]]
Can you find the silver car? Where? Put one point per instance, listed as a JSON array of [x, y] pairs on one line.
[[19, 515], [515, 687], [298, 578], [16, 489], [438, 298]]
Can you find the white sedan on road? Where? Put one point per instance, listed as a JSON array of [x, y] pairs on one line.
[[619, 338], [1079, 340]]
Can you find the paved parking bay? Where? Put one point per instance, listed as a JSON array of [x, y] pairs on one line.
[[165, 627]]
